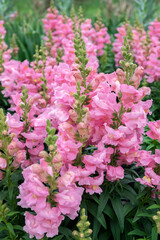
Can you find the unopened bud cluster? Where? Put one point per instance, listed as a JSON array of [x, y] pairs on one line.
[[4, 210], [156, 218], [83, 227]]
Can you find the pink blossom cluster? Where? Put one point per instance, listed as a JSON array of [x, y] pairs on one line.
[[60, 29], [112, 121], [145, 47]]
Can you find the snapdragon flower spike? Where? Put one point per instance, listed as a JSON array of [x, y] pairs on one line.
[[83, 227], [37, 57], [81, 97], [14, 45], [26, 107], [99, 20], [81, 56], [40, 56], [72, 13], [50, 140], [80, 15], [60, 54], [144, 47], [43, 91], [127, 64]]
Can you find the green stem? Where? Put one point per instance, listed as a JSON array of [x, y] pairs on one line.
[[6, 223]]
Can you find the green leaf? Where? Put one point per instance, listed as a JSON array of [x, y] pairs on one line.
[[102, 220], [115, 228], [127, 208], [94, 197], [102, 202], [154, 235], [10, 227], [18, 227], [12, 213], [92, 208], [108, 210], [154, 206], [136, 217], [137, 232], [128, 195], [96, 228], [118, 209], [145, 215], [66, 232], [2, 227]]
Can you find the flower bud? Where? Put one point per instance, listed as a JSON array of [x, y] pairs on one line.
[[75, 233], [127, 64], [81, 235], [73, 115], [51, 148], [88, 232], [4, 132], [43, 154], [30, 101]]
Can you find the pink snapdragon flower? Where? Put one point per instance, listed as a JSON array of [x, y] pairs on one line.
[[45, 222], [114, 173], [32, 192], [154, 131], [69, 200]]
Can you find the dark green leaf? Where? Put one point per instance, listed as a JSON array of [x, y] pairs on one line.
[[154, 233], [96, 228], [137, 232], [118, 209], [115, 228], [10, 227], [102, 202]]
